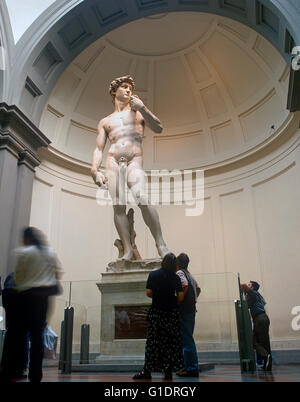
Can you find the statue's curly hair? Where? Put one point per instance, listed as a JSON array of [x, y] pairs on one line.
[[114, 85]]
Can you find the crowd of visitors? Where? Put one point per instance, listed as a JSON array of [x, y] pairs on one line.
[[170, 345]]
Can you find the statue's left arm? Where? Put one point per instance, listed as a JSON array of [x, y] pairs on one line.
[[150, 119]]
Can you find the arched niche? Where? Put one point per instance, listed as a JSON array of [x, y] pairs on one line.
[[65, 29]]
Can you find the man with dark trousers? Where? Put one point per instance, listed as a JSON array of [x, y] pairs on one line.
[[261, 323], [187, 313]]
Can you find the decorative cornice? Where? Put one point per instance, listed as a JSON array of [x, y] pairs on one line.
[[66, 161], [11, 116], [20, 136], [284, 133], [10, 143], [287, 130], [28, 159]]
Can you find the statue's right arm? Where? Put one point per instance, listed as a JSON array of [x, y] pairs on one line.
[[98, 177]]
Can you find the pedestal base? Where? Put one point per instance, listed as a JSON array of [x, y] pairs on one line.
[[120, 266], [124, 306]]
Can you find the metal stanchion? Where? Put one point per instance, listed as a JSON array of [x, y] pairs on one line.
[[2, 335], [244, 329], [67, 340], [85, 343], [62, 346]]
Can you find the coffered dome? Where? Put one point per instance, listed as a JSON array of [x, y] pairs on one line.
[[218, 87]]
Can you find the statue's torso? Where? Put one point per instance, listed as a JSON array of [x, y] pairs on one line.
[[125, 131]]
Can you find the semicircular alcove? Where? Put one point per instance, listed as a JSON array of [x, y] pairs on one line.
[[218, 87], [220, 90]]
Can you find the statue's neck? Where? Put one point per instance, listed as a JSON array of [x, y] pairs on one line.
[[121, 106]]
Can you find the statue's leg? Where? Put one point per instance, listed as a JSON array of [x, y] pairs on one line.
[[120, 217], [122, 226], [151, 219], [136, 183]]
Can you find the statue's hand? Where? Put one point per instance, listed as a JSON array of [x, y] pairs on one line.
[[100, 179], [136, 103]]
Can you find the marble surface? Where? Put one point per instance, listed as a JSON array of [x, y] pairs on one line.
[[125, 265]]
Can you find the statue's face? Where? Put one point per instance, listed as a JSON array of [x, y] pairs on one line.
[[124, 92]]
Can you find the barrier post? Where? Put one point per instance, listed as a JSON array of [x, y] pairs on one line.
[[85, 343], [245, 335], [67, 339]]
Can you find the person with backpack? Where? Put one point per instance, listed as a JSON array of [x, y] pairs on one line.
[[187, 314]]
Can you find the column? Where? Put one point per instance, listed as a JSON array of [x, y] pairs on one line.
[[20, 140]]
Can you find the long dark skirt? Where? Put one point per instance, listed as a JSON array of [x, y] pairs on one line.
[[164, 344]]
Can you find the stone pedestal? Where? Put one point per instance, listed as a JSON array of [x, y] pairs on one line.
[[123, 309]]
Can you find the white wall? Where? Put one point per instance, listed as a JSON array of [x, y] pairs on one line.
[[250, 225]]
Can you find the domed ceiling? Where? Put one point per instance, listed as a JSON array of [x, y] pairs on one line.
[[218, 87]]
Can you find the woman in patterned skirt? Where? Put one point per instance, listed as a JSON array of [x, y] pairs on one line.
[[163, 345]]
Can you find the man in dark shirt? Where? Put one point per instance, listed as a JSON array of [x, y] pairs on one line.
[[261, 323], [187, 314]]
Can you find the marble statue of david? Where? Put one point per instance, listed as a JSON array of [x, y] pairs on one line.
[[124, 129]]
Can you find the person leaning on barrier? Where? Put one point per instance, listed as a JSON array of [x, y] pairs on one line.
[[261, 323]]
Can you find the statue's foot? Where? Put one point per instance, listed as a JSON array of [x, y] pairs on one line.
[[129, 256], [162, 250]]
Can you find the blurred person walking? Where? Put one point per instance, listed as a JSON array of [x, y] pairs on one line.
[[37, 274]]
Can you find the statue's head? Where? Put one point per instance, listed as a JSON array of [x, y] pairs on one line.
[[114, 85]]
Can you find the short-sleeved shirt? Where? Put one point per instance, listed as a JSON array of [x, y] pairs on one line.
[[182, 277], [189, 303], [35, 267], [256, 303], [164, 285]]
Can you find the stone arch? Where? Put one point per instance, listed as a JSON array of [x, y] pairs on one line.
[[64, 30], [6, 50]]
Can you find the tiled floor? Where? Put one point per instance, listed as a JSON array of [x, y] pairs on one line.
[[218, 374]]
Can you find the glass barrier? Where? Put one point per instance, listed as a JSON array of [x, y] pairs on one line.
[[215, 326]]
